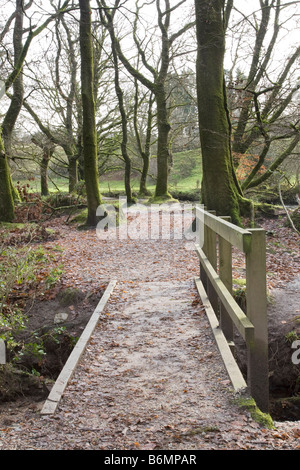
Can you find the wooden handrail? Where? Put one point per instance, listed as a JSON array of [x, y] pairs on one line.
[[241, 321], [236, 236], [215, 256]]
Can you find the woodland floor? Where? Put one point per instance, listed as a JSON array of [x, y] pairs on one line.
[[151, 377]]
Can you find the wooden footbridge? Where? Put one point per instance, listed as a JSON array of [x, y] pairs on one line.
[[214, 284]]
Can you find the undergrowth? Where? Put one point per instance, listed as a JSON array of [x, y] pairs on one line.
[[27, 272]]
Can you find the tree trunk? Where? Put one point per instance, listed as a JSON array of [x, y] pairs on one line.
[[44, 172], [145, 149], [163, 153], [18, 88], [7, 208], [157, 86], [120, 96], [143, 181], [219, 186], [17, 96], [72, 167], [89, 133], [6, 189]]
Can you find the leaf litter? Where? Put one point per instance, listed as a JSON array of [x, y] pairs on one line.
[[151, 377]]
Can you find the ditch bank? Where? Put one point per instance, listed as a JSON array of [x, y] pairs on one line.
[[53, 329], [284, 352]]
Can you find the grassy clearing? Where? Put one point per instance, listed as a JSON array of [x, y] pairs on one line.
[[185, 176]]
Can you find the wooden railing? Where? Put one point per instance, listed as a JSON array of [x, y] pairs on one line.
[[215, 283]]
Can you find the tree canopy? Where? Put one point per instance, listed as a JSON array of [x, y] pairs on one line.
[[147, 95]]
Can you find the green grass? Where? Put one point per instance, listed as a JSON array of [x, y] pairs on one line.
[[118, 185], [187, 170], [185, 176], [35, 185]]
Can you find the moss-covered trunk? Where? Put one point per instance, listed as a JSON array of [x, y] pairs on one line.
[[73, 173], [7, 208], [163, 152], [17, 97], [89, 133], [220, 189], [18, 87]]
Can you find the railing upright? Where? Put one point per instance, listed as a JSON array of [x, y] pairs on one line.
[[256, 302], [225, 273], [210, 249], [216, 277]]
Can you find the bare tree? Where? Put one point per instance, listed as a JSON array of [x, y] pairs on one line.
[[6, 194], [220, 188], [143, 140], [59, 91], [263, 108], [159, 73], [107, 20], [89, 132]]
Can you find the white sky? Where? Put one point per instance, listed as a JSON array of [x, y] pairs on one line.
[[290, 35]]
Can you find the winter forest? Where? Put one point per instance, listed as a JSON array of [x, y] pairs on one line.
[[164, 104]]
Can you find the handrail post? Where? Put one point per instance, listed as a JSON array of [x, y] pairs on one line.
[[258, 369], [225, 272], [210, 244]]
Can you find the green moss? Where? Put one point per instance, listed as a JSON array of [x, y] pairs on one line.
[[296, 219], [291, 336], [112, 210], [162, 199], [264, 419], [81, 217], [239, 282], [265, 209], [12, 225], [144, 193], [203, 430]]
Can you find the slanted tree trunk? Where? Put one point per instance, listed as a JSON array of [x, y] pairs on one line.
[[18, 88], [89, 133], [264, 107], [7, 208], [220, 189], [8, 193], [18, 92], [108, 22]]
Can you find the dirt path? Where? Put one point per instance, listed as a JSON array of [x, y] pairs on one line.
[[151, 377]]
